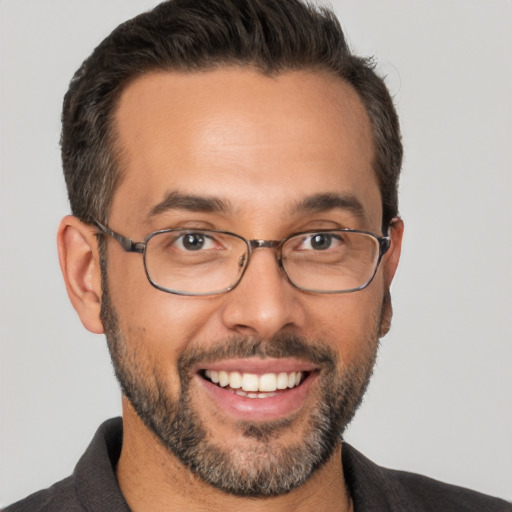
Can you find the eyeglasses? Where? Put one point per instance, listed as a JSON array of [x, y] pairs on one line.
[[210, 262]]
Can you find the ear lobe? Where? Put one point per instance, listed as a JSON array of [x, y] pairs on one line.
[[79, 263], [392, 256], [386, 314]]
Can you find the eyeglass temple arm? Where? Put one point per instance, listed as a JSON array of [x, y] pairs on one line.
[[385, 241], [127, 244], [385, 244]]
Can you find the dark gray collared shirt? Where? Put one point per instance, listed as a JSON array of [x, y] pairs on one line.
[[93, 486]]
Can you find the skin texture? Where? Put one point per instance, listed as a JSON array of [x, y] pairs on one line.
[[261, 145]]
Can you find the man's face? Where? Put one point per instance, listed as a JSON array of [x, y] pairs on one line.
[[243, 153]]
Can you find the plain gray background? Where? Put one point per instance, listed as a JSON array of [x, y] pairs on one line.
[[440, 400]]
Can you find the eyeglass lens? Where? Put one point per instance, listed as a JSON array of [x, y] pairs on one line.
[[208, 262]]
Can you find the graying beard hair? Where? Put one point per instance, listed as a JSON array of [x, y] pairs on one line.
[[179, 429], [268, 474]]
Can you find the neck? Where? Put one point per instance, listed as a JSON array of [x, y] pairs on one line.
[[151, 479]]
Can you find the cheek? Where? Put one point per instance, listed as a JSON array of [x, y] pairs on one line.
[[351, 323], [156, 328], [165, 322]]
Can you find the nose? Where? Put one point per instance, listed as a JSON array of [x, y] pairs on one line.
[[264, 302]]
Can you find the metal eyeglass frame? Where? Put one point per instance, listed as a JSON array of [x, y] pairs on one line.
[[140, 247]]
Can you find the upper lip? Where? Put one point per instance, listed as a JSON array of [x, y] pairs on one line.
[[258, 365]]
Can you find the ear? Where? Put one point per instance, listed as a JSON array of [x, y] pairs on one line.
[[79, 262], [392, 256], [390, 264]]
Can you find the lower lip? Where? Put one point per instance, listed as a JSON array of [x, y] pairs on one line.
[[259, 409]]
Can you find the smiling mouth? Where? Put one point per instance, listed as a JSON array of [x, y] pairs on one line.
[[252, 385]]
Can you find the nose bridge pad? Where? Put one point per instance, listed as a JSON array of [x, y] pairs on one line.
[[255, 244], [263, 244]]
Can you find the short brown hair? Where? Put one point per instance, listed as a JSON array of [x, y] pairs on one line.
[[189, 35]]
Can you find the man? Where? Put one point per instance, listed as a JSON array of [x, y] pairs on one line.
[[232, 171]]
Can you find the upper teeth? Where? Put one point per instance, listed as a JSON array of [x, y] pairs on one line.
[[267, 382]]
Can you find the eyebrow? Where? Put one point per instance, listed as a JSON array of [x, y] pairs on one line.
[[316, 203], [319, 203], [177, 201]]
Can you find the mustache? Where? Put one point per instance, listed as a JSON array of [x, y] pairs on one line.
[[241, 347]]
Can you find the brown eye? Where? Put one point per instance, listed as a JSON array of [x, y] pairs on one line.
[[321, 241], [193, 241]]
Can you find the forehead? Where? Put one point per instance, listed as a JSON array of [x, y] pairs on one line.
[[250, 140]]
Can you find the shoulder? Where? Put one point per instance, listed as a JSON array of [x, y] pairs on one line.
[[432, 494], [60, 497], [376, 488]]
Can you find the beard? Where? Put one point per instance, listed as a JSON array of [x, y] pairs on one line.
[[262, 467]]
